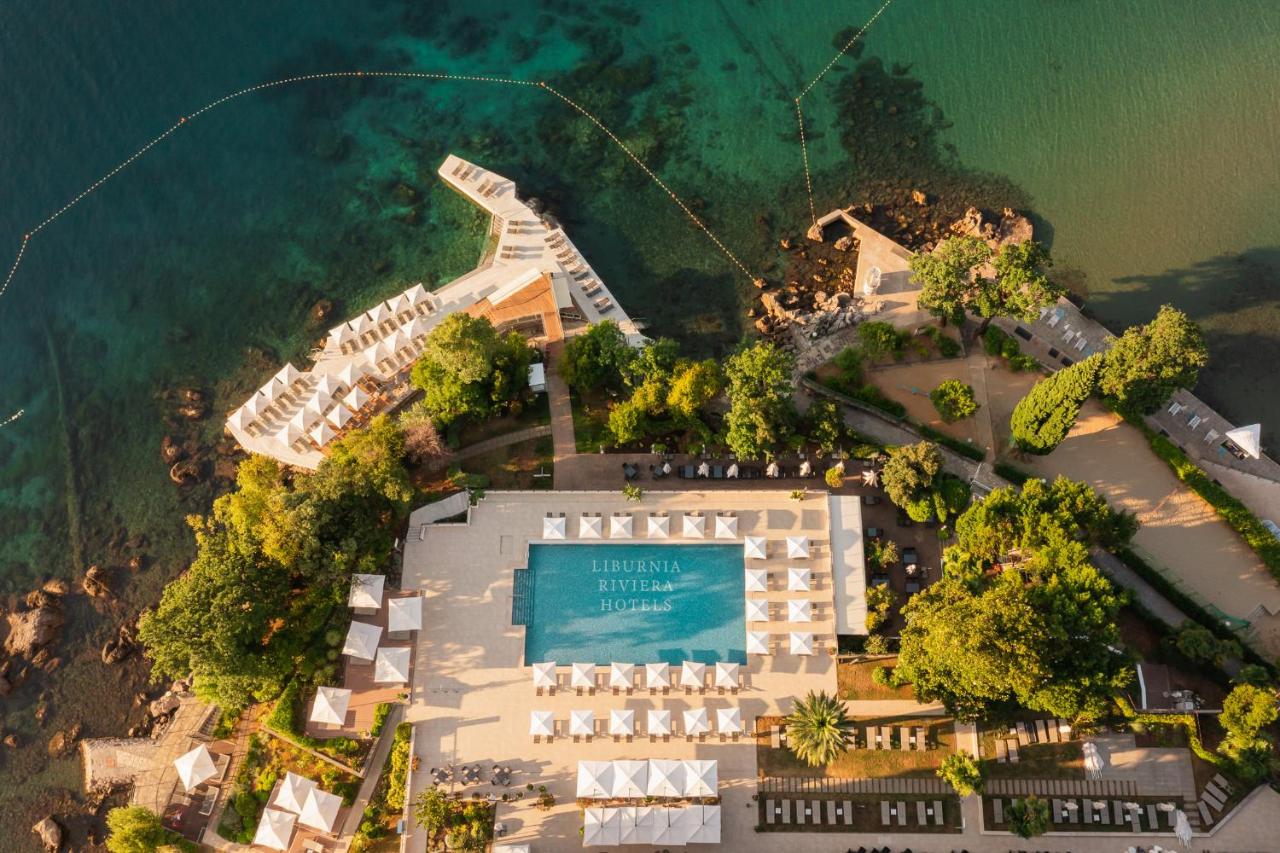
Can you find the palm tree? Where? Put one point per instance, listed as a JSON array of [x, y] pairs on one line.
[[819, 729]]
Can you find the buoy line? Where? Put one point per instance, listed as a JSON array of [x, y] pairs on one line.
[[12, 418]]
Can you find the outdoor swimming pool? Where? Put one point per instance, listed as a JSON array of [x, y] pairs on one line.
[[635, 603]]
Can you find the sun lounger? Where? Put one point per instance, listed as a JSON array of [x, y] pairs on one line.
[[920, 815], [937, 813], [997, 810], [1023, 738], [1042, 732], [1117, 814], [922, 738], [1221, 782], [1152, 822], [1055, 810], [846, 811], [786, 811], [1205, 819], [902, 813], [775, 737], [873, 738], [604, 306], [802, 809], [1002, 752], [831, 812], [884, 813], [904, 738], [1013, 752], [1051, 728], [1217, 792], [770, 811], [816, 812], [886, 737], [1215, 801]]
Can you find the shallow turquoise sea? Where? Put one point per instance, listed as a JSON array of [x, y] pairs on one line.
[[1142, 134]]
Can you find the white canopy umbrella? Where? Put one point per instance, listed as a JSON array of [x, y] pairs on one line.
[[328, 386], [709, 831], [583, 675], [771, 470], [419, 328], [757, 642], [302, 421], [693, 526], [275, 829], [286, 376], [806, 468], [620, 526], [379, 313], [195, 767], [755, 547], [366, 591], [629, 778], [322, 433], [657, 675], [241, 417], [870, 477], [727, 674], [622, 675], [362, 640], [801, 643], [331, 706], [700, 778], [666, 778], [320, 811], [391, 665], [590, 527], [662, 832], [363, 324], [288, 434], [582, 723], [1182, 827], [417, 294], [1092, 760], [255, 405], [797, 547], [356, 399], [595, 779], [401, 341], [1248, 439], [693, 674], [757, 580], [726, 527], [622, 722], [270, 392], [352, 373], [685, 823], [340, 335], [404, 614], [696, 721], [292, 793], [554, 527], [799, 610], [318, 403], [601, 827], [542, 723], [732, 472], [729, 721], [659, 526], [398, 303], [757, 610], [339, 416], [798, 579], [544, 674], [658, 722], [637, 825]]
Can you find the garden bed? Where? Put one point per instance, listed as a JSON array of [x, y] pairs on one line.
[[863, 763], [854, 681]]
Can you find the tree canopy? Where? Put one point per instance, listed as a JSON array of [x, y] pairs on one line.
[[954, 400], [468, 371], [913, 479], [1148, 363], [666, 392], [952, 280], [1020, 287], [596, 359], [761, 412], [1247, 710], [137, 829], [1044, 417], [819, 729], [945, 276], [962, 772]]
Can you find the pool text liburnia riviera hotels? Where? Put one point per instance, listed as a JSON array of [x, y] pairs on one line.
[[633, 585]]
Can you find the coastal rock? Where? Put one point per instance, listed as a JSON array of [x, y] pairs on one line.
[[50, 834], [97, 582], [845, 243], [121, 646], [31, 630], [760, 283], [136, 563], [11, 741], [63, 742], [170, 451], [191, 395], [1013, 228], [164, 706], [919, 197], [185, 472], [321, 311], [192, 411], [56, 586]]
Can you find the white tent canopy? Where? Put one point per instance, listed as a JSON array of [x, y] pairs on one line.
[[755, 547], [391, 665], [293, 792], [622, 722], [685, 824], [666, 778], [553, 527], [340, 416], [696, 721], [798, 579], [366, 592], [757, 642], [275, 829], [693, 526], [622, 675], [355, 399], [801, 643], [590, 527], [582, 723], [637, 825], [287, 375], [693, 674], [352, 373], [542, 723], [726, 527], [320, 811], [362, 640], [630, 778], [658, 721], [729, 721], [757, 610], [727, 674], [799, 610], [331, 706], [1248, 439], [757, 580], [195, 767], [797, 547], [709, 831], [544, 674], [595, 779], [582, 675], [404, 614], [601, 827], [662, 833], [659, 526], [620, 526], [700, 778], [657, 675]]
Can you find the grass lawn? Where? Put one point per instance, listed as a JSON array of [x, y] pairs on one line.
[[590, 422], [853, 681], [515, 466], [863, 763], [1035, 761]]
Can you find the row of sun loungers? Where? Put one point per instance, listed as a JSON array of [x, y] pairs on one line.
[[840, 812], [582, 677], [1121, 814], [909, 737], [1041, 731], [628, 723], [1215, 795]]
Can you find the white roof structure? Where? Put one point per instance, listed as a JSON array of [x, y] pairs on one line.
[[757, 580], [701, 778], [275, 829], [696, 721], [622, 675], [801, 643], [666, 778], [693, 526], [798, 579], [554, 527], [657, 675], [658, 721], [404, 614], [195, 767], [1248, 439], [595, 779], [799, 610], [582, 723], [620, 526], [659, 527], [757, 642], [693, 674], [755, 548], [622, 722], [709, 831], [366, 591], [293, 792], [797, 547], [729, 721], [601, 827], [630, 778], [544, 674], [330, 706], [582, 675], [362, 641], [320, 811], [591, 527], [391, 665], [727, 674], [726, 527], [757, 610], [542, 723]]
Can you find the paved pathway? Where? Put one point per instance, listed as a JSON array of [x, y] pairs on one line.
[[482, 447], [1145, 593], [561, 410], [373, 770]]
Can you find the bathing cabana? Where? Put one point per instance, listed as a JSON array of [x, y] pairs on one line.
[[554, 527], [757, 610], [590, 527], [195, 767], [404, 614], [726, 527], [757, 580], [275, 829], [798, 579], [758, 643], [545, 676], [330, 706], [659, 526], [620, 526], [797, 547], [801, 643], [696, 721], [693, 526]]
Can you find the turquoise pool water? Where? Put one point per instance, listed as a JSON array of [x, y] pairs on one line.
[[642, 603]]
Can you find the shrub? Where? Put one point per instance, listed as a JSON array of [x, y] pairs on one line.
[[1198, 644], [948, 347], [962, 773], [819, 729], [879, 339], [994, 340], [1044, 417], [881, 675], [876, 644], [1028, 818], [1012, 473], [380, 714], [849, 360], [834, 477], [964, 448], [1022, 363], [954, 400]]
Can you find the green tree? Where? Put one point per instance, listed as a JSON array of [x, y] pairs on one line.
[[468, 370], [596, 359], [137, 829], [819, 729], [1148, 363], [909, 473], [1044, 417], [880, 600], [1252, 673], [1246, 711], [654, 361], [761, 411], [431, 811], [1200, 645], [954, 400], [826, 423], [693, 386], [627, 422], [946, 276], [1020, 287], [878, 339], [1029, 817], [962, 773], [834, 477]]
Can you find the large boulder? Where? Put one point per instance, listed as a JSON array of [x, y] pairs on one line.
[[97, 582], [50, 834], [121, 646], [164, 706], [33, 629], [63, 742]]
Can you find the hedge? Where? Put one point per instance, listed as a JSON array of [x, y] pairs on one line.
[[1012, 473], [964, 448]]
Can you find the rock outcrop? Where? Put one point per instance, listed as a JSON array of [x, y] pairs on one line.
[[1012, 228], [50, 834], [32, 629], [97, 582], [121, 646]]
